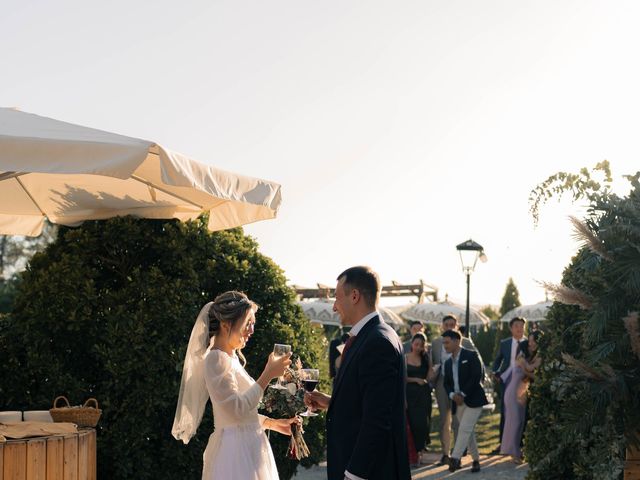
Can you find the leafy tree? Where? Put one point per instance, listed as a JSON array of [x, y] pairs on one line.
[[510, 300], [484, 338], [7, 294], [107, 310], [16, 250], [490, 312]]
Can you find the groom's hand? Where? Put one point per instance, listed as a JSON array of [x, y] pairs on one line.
[[317, 400]]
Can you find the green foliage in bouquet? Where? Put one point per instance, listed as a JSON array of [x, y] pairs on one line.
[[288, 402], [106, 311], [585, 406]]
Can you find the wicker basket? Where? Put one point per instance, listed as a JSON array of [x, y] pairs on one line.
[[83, 416]]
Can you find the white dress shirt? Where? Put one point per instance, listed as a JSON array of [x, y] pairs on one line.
[[514, 350], [444, 356], [455, 361], [362, 322]]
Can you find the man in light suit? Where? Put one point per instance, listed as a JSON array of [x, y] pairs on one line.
[[505, 359], [463, 376], [366, 420], [438, 358]]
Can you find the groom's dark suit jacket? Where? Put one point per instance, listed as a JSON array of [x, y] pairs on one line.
[[470, 376], [366, 425]]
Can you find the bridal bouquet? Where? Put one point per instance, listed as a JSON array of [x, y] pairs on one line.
[[287, 403]]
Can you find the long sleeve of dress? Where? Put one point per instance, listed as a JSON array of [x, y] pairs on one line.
[[223, 387]]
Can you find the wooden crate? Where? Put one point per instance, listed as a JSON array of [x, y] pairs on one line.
[[632, 465], [69, 457]]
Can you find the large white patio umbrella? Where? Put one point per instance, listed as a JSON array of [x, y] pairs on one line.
[[433, 313], [533, 313], [69, 174], [321, 311]]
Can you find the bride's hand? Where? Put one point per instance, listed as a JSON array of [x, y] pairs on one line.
[[283, 425], [276, 366]]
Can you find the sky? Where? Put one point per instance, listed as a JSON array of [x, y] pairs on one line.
[[397, 129]]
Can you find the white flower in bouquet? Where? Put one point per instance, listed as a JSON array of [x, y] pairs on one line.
[[292, 388]]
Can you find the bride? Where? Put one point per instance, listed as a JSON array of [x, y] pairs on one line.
[[238, 447]]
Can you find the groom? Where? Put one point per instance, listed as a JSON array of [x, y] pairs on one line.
[[366, 425]]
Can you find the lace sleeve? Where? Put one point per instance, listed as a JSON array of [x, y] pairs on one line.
[[223, 386]]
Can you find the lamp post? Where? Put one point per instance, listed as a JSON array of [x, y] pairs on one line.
[[469, 252]]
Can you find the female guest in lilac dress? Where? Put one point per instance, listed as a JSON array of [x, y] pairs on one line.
[[516, 385]]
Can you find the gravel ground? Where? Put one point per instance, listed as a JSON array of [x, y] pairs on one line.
[[493, 467]]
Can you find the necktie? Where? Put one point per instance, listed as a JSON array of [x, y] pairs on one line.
[[347, 344]]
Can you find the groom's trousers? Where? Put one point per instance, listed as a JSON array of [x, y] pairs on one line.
[[466, 436]]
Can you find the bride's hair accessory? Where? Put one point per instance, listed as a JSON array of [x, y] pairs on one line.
[[229, 307]]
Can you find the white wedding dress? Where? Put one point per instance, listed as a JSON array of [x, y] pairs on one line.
[[238, 449]]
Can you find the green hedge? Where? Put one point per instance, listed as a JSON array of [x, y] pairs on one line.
[[106, 311], [585, 406], [554, 447]]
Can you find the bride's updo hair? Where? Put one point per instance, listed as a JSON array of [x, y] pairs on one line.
[[229, 307]]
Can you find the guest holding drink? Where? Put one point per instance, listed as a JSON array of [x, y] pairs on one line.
[[418, 391]]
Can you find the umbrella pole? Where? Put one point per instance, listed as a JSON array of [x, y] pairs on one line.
[[30, 196], [9, 175]]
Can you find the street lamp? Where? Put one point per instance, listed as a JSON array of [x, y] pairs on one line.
[[470, 252]]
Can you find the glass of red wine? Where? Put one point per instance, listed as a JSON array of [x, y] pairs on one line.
[[310, 378]]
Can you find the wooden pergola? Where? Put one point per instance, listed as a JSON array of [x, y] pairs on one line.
[[420, 290]]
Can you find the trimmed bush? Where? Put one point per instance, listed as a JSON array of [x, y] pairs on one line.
[[106, 311]]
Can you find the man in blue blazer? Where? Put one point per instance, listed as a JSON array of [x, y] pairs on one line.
[[463, 375], [366, 423], [504, 360]]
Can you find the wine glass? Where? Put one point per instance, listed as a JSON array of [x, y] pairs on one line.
[[280, 350], [310, 378]]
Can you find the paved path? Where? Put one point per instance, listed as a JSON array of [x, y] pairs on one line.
[[493, 467]]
